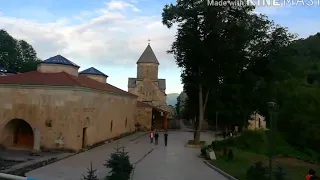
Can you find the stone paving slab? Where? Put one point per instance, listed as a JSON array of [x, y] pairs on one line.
[[175, 162]]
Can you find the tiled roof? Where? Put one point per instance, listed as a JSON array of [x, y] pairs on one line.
[[93, 71], [132, 83], [60, 79], [58, 59], [145, 105], [148, 56]]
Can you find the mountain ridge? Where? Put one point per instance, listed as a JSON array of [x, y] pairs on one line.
[[172, 98]]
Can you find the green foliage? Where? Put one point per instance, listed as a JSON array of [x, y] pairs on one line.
[[230, 155], [225, 151], [90, 174], [279, 174], [249, 140], [254, 61], [17, 55], [204, 149], [257, 142], [177, 106], [120, 165], [257, 171]]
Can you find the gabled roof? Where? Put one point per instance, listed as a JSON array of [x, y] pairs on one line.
[[132, 83], [148, 56], [58, 59], [60, 79], [93, 71], [146, 105]]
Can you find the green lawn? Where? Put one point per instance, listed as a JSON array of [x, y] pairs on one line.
[[238, 167]]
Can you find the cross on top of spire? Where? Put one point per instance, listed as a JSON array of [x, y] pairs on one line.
[[149, 41]]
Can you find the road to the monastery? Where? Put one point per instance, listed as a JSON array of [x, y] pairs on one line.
[[174, 162]]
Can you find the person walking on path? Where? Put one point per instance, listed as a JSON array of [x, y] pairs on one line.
[[151, 137], [156, 136], [166, 138]]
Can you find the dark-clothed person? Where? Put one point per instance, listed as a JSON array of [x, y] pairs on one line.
[[165, 138], [156, 137]]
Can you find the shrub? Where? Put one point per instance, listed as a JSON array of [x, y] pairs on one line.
[[257, 172], [90, 174], [213, 145], [225, 151], [230, 155], [120, 165], [279, 174], [203, 150]]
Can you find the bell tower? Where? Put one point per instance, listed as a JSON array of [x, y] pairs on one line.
[[147, 65]]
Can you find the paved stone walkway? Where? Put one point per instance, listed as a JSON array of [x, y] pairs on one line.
[[174, 162]]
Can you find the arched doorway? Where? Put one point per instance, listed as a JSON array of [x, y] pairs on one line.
[[18, 134]]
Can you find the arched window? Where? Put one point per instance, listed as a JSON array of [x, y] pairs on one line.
[[111, 125]]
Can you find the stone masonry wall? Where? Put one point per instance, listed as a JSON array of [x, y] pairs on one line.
[[147, 71], [55, 68], [69, 112], [144, 117]]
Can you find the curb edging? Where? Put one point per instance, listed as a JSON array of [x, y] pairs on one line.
[[135, 164], [228, 176]]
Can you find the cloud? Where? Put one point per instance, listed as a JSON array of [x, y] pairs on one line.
[[121, 5], [104, 37]]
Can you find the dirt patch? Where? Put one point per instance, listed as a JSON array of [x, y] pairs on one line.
[[296, 162]]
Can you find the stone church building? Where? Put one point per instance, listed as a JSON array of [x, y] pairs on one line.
[[151, 92], [57, 106]]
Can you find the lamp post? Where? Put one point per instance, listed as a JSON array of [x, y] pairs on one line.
[[215, 132], [271, 109]]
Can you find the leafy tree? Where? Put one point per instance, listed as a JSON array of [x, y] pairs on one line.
[[177, 106], [17, 55], [90, 174], [28, 57], [120, 165], [221, 50]]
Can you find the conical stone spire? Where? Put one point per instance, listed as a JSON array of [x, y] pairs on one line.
[[148, 56]]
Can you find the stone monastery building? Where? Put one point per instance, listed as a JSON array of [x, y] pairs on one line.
[[59, 107]]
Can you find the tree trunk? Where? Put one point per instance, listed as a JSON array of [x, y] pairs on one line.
[[200, 120], [206, 101]]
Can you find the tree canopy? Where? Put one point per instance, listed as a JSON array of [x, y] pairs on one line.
[[16, 55], [244, 60], [226, 55]]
